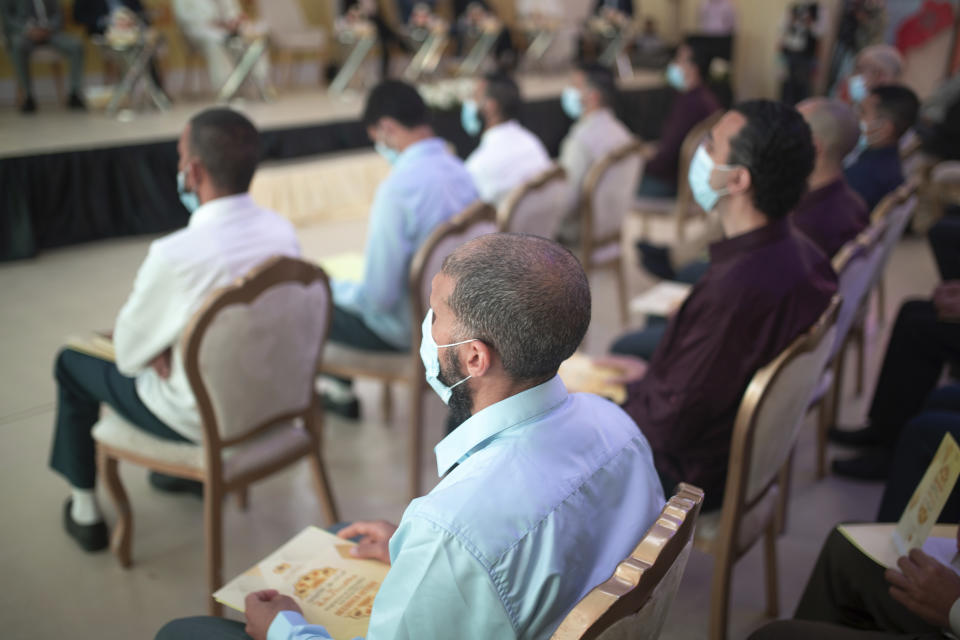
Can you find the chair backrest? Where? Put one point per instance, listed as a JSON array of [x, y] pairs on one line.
[[252, 351], [476, 220], [535, 206], [766, 427], [687, 149], [633, 603], [609, 190], [855, 265], [896, 209], [282, 15]]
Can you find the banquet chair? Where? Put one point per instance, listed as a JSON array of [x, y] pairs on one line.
[[250, 353], [348, 362], [682, 208], [608, 192], [764, 433], [536, 206], [291, 35], [633, 604]]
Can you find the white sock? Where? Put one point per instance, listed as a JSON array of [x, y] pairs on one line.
[[84, 509], [337, 390]]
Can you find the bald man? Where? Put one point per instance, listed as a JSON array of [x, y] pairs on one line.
[[831, 213], [876, 65]]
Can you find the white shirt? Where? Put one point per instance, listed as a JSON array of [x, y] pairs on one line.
[[543, 494], [717, 17], [224, 239], [508, 156]]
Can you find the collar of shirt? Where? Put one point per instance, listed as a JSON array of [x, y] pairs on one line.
[[733, 247], [420, 149], [496, 418], [219, 207]]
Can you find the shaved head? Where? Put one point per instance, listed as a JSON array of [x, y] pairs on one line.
[[834, 126], [880, 63]]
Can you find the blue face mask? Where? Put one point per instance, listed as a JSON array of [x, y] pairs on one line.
[[470, 118], [675, 77], [189, 199], [701, 168], [390, 155], [857, 86], [572, 103], [430, 356]]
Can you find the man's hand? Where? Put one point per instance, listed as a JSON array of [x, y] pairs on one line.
[[161, 364], [926, 587], [261, 607], [375, 540], [629, 369], [946, 299]]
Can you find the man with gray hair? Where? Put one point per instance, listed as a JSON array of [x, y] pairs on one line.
[[831, 213], [876, 65], [542, 493]]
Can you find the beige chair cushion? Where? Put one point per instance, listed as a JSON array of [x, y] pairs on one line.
[[658, 206], [614, 196], [339, 358], [276, 444], [752, 523], [606, 253], [540, 211]]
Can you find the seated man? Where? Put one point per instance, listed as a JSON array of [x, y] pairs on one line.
[[875, 66], [925, 337], [508, 154], [210, 26], [470, 560], [29, 24], [597, 131], [693, 104], [426, 187], [766, 284], [886, 114], [228, 234], [831, 213]]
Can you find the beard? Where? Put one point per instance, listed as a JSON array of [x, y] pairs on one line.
[[461, 400]]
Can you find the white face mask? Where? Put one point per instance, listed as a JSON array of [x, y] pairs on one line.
[[701, 168], [430, 355]]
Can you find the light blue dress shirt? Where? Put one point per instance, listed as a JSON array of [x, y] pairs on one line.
[[544, 494], [427, 185]]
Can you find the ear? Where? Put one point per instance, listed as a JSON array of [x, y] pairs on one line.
[[477, 358], [740, 181]]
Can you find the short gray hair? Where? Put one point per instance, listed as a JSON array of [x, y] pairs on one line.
[[525, 296]]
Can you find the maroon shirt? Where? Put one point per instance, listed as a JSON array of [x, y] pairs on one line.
[[762, 290], [687, 111], [831, 216]]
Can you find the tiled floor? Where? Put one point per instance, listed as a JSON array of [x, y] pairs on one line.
[[53, 590]]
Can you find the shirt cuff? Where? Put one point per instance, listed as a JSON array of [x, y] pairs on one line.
[[289, 625], [955, 617]]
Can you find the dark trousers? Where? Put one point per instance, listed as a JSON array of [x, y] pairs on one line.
[[945, 241], [203, 628], [919, 347], [21, 48], [915, 451], [847, 588], [805, 630], [83, 384], [641, 343]]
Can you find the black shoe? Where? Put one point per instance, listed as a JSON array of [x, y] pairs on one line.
[[873, 466], [349, 409], [656, 260], [863, 437], [90, 537], [76, 103], [173, 484], [28, 105]]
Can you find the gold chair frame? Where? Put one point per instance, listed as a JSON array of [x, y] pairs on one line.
[[247, 289], [633, 582]]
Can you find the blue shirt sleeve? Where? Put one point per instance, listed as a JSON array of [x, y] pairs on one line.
[[290, 625]]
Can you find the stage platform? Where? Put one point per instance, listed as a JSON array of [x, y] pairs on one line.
[[67, 178]]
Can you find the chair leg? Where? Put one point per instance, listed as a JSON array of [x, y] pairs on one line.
[[416, 437], [121, 540], [770, 569], [720, 596], [322, 484], [783, 500], [622, 289], [828, 412], [881, 299], [243, 498], [386, 402], [213, 534], [860, 338]]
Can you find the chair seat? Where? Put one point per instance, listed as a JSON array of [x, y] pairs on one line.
[[348, 361], [605, 254], [276, 445], [751, 525], [312, 39], [661, 206]]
